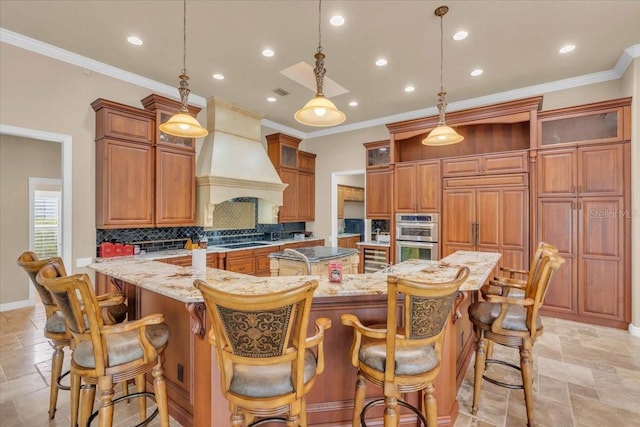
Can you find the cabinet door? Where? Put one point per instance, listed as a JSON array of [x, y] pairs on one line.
[[378, 197], [175, 187], [601, 171], [600, 254], [514, 231], [428, 179], [405, 179], [306, 196], [557, 225], [556, 174], [459, 214], [289, 210], [340, 202], [124, 184]]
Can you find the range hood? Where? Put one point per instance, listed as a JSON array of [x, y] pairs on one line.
[[233, 163]]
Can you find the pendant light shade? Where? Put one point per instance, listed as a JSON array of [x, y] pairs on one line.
[[319, 111], [442, 134], [183, 124]]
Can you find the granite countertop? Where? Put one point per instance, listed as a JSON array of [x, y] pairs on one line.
[[177, 282], [174, 253], [315, 253]]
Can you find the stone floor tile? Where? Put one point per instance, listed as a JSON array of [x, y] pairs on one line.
[[566, 371], [591, 393], [546, 412], [553, 389], [592, 413], [24, 385]]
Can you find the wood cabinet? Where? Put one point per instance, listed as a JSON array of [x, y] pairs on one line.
[[242, 261], [348, 242], [417, 187], [482, 215], [378, 180], [581, 209], [175, 167], [306, 186], [297, 169], [144, 178], [499, 163], [348, 193], [124, 166]]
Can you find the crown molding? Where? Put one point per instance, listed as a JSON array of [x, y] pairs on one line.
[[63, 55], [627, 56]]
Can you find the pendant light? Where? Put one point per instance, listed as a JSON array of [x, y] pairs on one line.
[[183, 124], [320, 111], [442, 134]]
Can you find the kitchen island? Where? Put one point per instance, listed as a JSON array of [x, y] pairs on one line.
[[315, 258], [191, 371]]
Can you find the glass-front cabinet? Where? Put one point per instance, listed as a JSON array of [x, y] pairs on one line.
[[164, 109]]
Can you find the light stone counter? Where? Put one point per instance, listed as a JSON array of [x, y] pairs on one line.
[[177, 282]]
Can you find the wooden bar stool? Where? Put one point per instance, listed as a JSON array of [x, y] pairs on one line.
[[264, 355], [113, 309], [404, 357], [513, 322], [108, 354]]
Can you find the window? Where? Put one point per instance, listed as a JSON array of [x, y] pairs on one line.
[[47, 223]]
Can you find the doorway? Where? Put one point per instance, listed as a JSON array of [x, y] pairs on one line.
[[354, 178], [11, 249]]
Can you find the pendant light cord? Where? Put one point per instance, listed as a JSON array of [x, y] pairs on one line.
[[319, 25], [184, 38], [441, 54]]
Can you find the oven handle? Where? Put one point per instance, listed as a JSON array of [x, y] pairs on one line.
[[412, 244]]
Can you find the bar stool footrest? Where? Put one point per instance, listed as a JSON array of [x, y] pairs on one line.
[[146, 421], [59, 384], [268, 420], [400, 402], [500, 383]]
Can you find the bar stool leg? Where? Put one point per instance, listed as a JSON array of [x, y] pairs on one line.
[[86, 408], [74, 397], [526, 366], [358, 403], [56, 370], [142, 400], [160, 390], [105, 395], [481, 357], [430, 406]]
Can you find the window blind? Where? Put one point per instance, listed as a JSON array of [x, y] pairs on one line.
[[47, 224]]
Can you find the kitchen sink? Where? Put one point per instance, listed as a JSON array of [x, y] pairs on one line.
[[243, 245]]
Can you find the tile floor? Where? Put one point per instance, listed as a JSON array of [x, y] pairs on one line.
[[585, 376]]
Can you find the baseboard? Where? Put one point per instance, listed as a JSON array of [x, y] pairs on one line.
[[634, 330], [15, 305]]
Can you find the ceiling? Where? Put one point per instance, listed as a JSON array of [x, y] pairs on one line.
[[515, 42]]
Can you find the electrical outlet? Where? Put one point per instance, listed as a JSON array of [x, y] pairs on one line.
[[180, 372]]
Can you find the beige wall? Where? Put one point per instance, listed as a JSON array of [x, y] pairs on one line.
[[20, 158]]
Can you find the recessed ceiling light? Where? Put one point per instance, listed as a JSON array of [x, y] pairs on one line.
[[218, 76], [134, 40], [381, 62], [477, 72], [567, 48], [268, 53], [460, 35], [337, 21], [353, 103], [409, 89], [271, 99]]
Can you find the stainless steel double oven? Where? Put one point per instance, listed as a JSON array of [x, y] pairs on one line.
[[417, 236]]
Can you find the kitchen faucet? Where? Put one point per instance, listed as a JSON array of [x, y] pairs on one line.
[[301, 255]]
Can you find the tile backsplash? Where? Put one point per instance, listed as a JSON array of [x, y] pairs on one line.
[[244, 230]]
